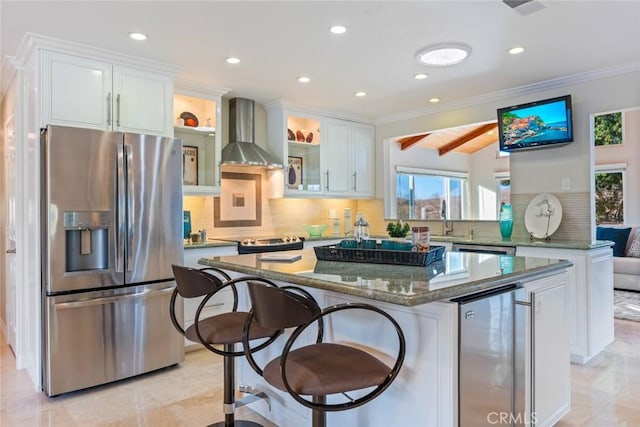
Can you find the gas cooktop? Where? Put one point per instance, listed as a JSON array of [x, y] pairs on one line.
[[272, 244]]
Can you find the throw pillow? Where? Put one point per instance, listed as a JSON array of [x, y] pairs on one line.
[[618, 236], [634, 249]]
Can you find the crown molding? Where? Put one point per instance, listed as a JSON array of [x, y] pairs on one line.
[[290, 106], [32, 41], [197, 89], [559, 82]]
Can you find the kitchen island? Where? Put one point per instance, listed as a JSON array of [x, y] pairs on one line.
[[420, 299]]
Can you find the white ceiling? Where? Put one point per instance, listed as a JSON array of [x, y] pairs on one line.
[[279, 41]]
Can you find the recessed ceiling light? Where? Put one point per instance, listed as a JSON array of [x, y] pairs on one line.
[[233, 60], [434, 100], [442, 55], [420, 76], [338, 29], [361, 93], [516, 50], [138, 36], [304, 79]]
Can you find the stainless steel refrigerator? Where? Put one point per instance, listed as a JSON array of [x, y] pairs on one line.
[[111, 228]]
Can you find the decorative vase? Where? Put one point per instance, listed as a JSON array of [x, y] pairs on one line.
[[506, 221]]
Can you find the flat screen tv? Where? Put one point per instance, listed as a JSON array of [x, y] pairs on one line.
[[538, 124]]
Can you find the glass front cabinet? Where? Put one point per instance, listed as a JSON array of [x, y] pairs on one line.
[[197, 117], [318, 153]]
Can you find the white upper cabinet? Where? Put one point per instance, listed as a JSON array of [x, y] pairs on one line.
[[200, 134], [323, 156], [349, 159], [86, 92]]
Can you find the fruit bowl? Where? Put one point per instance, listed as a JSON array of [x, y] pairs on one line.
[[314, 230]]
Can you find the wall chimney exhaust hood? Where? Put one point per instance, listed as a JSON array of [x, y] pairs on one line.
[[242, 150]]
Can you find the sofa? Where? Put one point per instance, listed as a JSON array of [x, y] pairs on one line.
[[626, 254]]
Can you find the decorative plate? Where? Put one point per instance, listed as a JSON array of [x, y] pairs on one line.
[[290, 135], [189, 119], [543, 215]]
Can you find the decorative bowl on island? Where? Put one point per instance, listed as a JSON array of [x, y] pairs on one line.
[[314, 230]]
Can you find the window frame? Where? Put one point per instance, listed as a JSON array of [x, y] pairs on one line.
[[440, 173], [613, 168]]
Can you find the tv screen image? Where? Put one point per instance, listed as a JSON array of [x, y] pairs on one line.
[[536, 124]]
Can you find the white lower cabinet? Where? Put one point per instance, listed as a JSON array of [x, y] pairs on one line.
[[220, 303], [547, 385], [590, 297]]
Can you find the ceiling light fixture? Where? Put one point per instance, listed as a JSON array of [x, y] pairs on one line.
[[434, 100], [338, 29], [304, 79], [420, 76], [444, 54], [138, 36], [233, 60], [516, 50], [361, 93]]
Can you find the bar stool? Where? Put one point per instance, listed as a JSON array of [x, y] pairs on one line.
[[224, 329], [319, 369]]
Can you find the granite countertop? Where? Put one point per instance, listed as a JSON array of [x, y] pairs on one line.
[[559, 244], [460, 273]]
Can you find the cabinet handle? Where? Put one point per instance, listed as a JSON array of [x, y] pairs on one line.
[[326, 186], [354, 181], [118, 110], [531, 305], [109, 109], [219, 174]]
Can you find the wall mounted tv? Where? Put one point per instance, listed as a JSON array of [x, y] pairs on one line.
[[538, 124]]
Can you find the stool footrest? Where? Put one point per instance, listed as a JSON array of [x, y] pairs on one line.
[[253, 395]]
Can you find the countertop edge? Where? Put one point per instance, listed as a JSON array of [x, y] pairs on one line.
[[405, 300]]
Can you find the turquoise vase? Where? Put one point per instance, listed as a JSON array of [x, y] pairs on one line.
[[506, 221]]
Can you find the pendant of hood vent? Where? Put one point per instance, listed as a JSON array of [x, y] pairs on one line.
[[242, 149]]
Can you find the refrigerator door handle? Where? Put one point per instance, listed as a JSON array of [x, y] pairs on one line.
[[121, 219], [108, 300], [131, 207]]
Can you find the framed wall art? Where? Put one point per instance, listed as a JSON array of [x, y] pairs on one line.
[[189, 165], [294, 173], [240, 201]]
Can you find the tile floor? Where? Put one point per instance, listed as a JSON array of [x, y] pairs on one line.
[[605, 392]]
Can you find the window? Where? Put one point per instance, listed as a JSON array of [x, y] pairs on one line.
[[608, 129], [609, 190], [426, 194]]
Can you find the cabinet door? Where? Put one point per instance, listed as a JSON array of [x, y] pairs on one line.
[[76, 91], [549, 362], [336, 158], [363, 159], [143, 102]]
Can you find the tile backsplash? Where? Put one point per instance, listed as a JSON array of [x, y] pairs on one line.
[[285, 216]]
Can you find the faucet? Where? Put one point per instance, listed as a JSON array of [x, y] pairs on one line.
[[447, 226]]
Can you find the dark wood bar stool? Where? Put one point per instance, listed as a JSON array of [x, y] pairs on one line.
[[319, 369], [224, 329]]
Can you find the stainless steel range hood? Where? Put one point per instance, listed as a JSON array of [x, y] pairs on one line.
[[242, 150]]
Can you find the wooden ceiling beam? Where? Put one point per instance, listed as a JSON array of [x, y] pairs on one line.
[[463, 139], [408, 141]]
